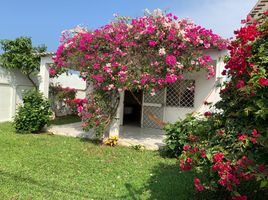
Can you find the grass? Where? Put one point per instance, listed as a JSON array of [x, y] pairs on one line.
[[42, 166], [68, 119]]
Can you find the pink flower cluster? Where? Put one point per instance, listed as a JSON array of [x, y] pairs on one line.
[[117, 52]]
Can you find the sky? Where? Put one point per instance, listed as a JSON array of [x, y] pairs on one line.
[[44, 20]]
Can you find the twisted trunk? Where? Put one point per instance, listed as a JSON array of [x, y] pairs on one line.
[[31, 80]]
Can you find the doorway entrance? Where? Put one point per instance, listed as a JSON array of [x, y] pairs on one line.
[[132, 109]]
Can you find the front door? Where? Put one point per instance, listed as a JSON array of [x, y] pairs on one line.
[[153, 105]]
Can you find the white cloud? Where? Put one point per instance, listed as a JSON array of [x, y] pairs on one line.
[[222, 16]]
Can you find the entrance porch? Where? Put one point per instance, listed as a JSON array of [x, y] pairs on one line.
[[150, 138]]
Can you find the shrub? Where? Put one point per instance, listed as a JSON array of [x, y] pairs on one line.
[[33, 114], [188, 130]]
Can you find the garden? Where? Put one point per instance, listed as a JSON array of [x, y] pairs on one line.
[[221, 154]]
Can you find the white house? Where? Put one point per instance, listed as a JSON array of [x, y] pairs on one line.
[[169, 105]]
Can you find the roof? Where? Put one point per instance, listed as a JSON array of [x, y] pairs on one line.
[[46, 54], [259, 8]]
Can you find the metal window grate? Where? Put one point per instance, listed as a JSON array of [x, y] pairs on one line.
[[181, 94], [157, 111]]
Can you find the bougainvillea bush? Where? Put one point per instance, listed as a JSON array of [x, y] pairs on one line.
[[144, 53], [233, 158]]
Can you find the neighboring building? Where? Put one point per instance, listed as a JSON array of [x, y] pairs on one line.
[[13, 84], [260, 7]]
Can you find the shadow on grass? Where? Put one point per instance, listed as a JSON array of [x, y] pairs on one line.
[[166, 183]]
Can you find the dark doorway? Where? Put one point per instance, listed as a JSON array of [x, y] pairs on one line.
[[132, 109]]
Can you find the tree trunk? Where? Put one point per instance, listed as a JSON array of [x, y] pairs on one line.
[[31, 80]]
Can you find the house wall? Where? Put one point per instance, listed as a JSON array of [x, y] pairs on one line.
[[12, 85], [205, 90]]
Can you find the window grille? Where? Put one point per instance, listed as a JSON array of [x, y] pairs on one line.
[[181, 94]]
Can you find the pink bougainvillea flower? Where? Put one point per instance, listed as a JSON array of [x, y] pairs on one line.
[[203, 153], [98, 78], [80, 109], [253, 140], [171, 78], [52, 72], [217, 157], [152, 43], [239, 198], [240, 84], [255, 133], [171, 60], [186, 164], [197, 184], [242, 137], [263, 82], [96, 66], [186, 147]]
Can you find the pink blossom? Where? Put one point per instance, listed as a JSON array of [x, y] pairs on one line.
[[242, 137], [52, 72], [239, 198], [263, 82], [96, 66], [171, 78], [80, 109], [255, 133], [152, 43], [124, 68], [197, 184], [171, 60], [217, 157], [186, 147], [240, 84], [98, 78]]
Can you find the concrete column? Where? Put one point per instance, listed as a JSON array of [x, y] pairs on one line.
[[115, 125], [44, 77]]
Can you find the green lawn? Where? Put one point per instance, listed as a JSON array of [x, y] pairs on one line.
[[65, 120], [42, 166]]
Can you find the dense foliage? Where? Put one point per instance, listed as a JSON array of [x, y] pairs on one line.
[[188, 130], [20, 54], [33, 114], [233, 157], [145, 53]]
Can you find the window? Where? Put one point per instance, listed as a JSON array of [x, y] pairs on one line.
[[181, 94]]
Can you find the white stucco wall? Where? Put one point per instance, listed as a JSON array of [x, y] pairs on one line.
[[12, 84], [204, 89]]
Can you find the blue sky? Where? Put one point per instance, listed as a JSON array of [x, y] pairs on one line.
[[44, 20]]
